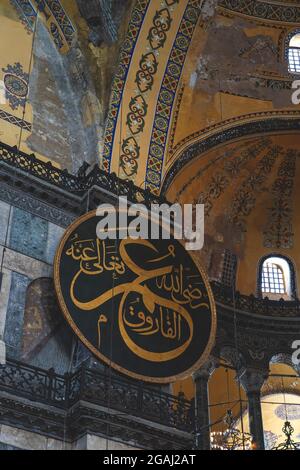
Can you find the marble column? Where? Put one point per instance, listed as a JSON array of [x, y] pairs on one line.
[[5, 277], [201, 379], [252, 381]]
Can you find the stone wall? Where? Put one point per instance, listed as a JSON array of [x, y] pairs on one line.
[[30, 243], [17, 439]]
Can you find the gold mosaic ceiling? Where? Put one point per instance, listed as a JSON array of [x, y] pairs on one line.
[[187, 69]]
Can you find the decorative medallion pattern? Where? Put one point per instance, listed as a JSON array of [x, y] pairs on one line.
[[130, 154], [145, 75], [146, 72], [15, 120], [288, 412], [167, 95], [16, 85], [279, 230], [127, 51], [161, 24], [138, 108]]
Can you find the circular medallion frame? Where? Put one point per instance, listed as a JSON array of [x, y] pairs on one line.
[[136, 374]]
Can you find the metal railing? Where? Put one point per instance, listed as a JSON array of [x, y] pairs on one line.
[[78, 184], [255, 305], [64, 391]]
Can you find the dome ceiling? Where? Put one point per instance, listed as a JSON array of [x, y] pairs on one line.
[[196, 67], [250, 191]]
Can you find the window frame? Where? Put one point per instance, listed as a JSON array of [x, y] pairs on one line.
[[229, 269], [293, 289], [273, 276], [288, 39]]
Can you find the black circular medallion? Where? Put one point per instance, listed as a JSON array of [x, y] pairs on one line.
[[143, 306]]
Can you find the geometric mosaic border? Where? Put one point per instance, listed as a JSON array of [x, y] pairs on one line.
[[26, 12], [61, 28], [167, 94], [263, 10], [127, 50], [15, 120]]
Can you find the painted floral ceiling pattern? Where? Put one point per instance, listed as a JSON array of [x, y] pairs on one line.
[[250, 191]]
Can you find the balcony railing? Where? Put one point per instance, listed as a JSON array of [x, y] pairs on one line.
[[255, 305], [35, 167], [76, 184], [92, 386]]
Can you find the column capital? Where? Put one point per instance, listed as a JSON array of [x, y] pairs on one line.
[[297, 369], [252, 379], [207, 369], [2, 352]]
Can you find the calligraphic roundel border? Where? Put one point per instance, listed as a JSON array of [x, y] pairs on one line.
[[95, 351]]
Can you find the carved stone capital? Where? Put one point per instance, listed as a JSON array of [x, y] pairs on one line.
[[296, 369], [2, 352], [206, 370], [232, 356], [252, 380]]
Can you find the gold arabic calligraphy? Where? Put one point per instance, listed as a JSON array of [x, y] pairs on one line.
[[150, 313]]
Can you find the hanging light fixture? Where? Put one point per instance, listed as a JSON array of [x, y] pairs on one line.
[[287, 429], [288, 444], [232, 438]]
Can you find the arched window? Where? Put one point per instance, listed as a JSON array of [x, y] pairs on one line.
[[229, 269], [276, 278], [294, 53], [273, 278]]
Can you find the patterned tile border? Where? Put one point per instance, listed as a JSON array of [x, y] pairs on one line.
[[15, 121], [136, 22], [59, 24], [167, 94], [263, 10], [62, 19], [16, 85], [145, 76]]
